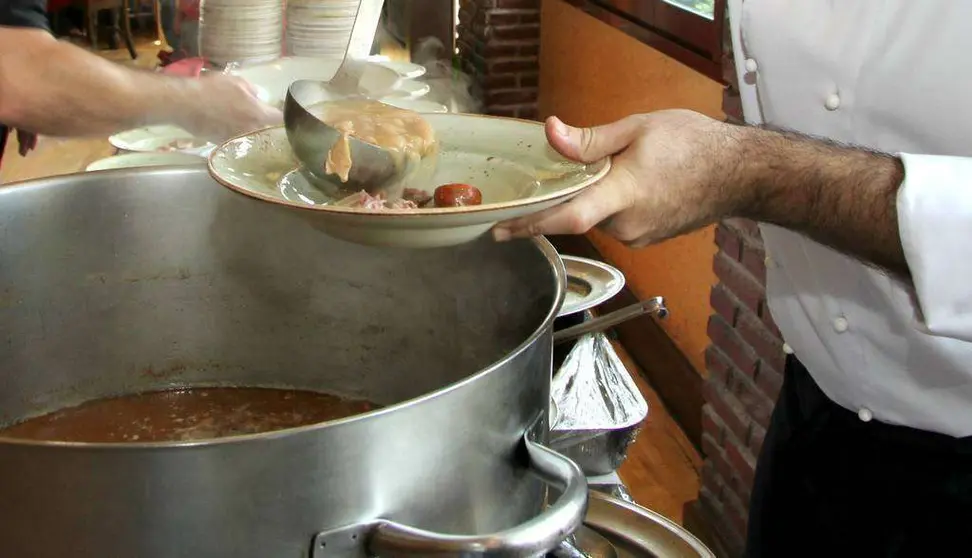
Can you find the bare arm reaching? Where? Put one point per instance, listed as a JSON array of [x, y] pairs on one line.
[[54, 88]]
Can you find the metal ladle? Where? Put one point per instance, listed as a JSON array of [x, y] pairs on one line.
[[373, 169]]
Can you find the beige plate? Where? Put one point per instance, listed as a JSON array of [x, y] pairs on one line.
[[637, 532], [507, 159], [130, 160], [589, 283]]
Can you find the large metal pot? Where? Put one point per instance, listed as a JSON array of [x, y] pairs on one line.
[[128, 281]]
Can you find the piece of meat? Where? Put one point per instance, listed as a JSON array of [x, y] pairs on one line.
[[418, 196], [364, 200]]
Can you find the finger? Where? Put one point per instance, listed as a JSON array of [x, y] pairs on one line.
[[593, 144], [592, 206]]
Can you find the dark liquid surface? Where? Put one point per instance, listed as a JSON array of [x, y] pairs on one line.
[[186, 414]]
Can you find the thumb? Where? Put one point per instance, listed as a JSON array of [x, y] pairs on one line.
[[588, 145]]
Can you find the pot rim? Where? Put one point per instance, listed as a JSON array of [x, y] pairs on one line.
[[544, 245]]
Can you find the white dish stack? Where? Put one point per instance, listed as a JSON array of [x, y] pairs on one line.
[[320, 28], [241, 31]]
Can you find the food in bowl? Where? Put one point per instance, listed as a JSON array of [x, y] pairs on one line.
[[399, 131], [447, 195], [187, 414]]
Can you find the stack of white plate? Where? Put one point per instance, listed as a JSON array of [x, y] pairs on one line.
[[243, 31], [320, 28]]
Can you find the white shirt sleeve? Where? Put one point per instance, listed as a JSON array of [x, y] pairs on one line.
[[935, 222]]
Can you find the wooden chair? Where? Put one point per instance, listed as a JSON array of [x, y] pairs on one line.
[[120, 23]]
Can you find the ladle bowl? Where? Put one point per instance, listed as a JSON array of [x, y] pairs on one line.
[[373, 169]]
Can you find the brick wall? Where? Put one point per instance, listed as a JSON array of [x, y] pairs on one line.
[[745, 363], [499, 47]]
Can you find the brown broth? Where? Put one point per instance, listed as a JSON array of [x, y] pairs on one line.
[[185, 415]]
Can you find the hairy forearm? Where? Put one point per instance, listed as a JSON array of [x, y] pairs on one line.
[[843, 197], [54, 88]]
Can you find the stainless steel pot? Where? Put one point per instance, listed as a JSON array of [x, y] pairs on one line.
[[133, 280]]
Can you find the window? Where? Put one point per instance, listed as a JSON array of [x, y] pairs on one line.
[[688, 30], [704, 8]]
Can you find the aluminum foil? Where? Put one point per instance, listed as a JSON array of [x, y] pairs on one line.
[[597, 408]]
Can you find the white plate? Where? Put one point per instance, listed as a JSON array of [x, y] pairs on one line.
[[405, 69], [417, 105], [507, 159], [410, 89], [130, 160], [156, 139], [589, 283]]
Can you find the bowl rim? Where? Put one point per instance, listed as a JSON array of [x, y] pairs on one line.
[[605, 168]]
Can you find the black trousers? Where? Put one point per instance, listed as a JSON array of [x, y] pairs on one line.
[[829, 484]]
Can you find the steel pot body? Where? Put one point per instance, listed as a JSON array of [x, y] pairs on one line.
[[133, 280]]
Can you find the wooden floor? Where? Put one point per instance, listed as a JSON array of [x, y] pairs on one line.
[[662, 470]]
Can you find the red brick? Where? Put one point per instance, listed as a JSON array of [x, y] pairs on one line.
[[494, 51], [728, 408], [530, 17], [528, 112], [732, 106], [518, 4], [516, 96], [742, 461], [717, 456], [749, 228], [499, 81], [711, 501], [502, 111], [512, 65], [767, 317], [753, 259], [755, 333], [729, 241], [740, 282], [512, 17], [757, 404], [517, 32], [713, 425], [732, 526], [756, 435], [712, 480], [729, 341], [529, 50], [769, 382], [718, 365], [736, 513], [529, 79], [723, 303]]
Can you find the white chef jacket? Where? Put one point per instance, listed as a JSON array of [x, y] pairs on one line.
[[890, 75]]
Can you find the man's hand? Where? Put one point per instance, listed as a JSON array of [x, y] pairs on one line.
[[676, 171], [670, 175], [226, 106]]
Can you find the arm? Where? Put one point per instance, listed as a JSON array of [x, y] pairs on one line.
[[52, 87], [678, 171], [843, 197]]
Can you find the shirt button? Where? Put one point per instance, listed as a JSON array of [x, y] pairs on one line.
[[840, 324], [751, 65], [832, 102], [787, 349], [865, 415]]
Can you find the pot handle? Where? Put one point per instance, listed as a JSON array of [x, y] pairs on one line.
[[537, 536]]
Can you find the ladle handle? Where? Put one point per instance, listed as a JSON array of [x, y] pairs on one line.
[[651, 306], [537, 536]]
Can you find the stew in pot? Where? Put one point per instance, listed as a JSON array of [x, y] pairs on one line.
[[185, 415]]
